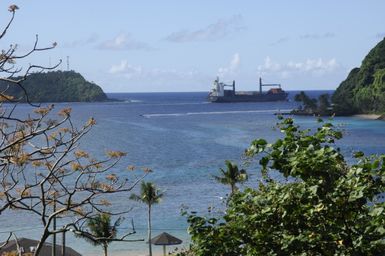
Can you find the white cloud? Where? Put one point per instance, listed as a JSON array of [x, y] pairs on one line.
[[309, 66], [232, 68], [281, 40], [221, 29], [269, 66], [124, 41], [312, 36], [137, 72], [82, 42], [126, 69]]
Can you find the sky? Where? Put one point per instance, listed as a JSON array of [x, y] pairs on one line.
[[182, 46]]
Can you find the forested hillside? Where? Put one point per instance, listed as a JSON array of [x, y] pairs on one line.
[[57, 86], [363, 91]]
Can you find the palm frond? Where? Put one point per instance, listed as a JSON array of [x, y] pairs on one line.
[[149, 194], [232, 175], [100, 230], [135, 197]]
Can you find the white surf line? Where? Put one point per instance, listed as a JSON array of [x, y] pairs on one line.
[[218, 112], [178, 104]]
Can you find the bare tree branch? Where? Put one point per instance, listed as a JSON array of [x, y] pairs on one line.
[[41, 160]]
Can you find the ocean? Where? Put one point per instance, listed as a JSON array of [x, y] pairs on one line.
[[185, 140]]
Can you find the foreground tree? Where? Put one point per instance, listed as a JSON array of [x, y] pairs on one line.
[[321, 206], [149, 195], [232, 176], [43, 170], [100, 227]]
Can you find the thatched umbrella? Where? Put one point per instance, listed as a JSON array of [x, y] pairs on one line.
[[165, 239]]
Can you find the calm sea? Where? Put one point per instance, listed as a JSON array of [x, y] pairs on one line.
[[185, 140]]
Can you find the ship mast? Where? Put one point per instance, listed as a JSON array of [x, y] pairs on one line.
[[261, 85], [234, 87]]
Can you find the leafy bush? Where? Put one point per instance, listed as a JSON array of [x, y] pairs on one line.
[[323, 207]]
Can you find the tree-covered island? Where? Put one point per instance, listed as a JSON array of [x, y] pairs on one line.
[[55, 86], [362, 92], [312, 106]]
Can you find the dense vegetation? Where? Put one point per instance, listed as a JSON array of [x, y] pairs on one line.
[[56, 86], [311, 106], [321, 205], [363, 91]]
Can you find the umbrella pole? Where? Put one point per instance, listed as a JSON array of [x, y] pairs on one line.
[[164, 250]]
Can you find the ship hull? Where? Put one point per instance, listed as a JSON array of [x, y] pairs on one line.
[[248, 98]]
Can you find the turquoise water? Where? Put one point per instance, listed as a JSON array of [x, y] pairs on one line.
[[184, 140]]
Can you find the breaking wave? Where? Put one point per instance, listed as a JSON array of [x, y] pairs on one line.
[[217, 113]]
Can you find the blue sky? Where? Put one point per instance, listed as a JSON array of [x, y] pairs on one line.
[[143, 46]]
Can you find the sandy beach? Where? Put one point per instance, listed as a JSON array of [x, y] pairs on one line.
[[142, 251], [369, 116], [156, 252]]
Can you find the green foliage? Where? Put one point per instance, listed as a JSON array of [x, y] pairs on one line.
[[231, 176], [311, 106], [324, 207], [57, 86], [363, 90], [100, 226], [149, 194], [101, 230], [323, 104], [308, 103]]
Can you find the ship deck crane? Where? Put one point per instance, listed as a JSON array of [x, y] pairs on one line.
[[229, 85], [261, 85]]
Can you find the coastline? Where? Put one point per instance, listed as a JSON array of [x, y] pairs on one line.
[[370, 116]]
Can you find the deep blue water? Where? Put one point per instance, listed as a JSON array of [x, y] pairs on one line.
[[184, 140]]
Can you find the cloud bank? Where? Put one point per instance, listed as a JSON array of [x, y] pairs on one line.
[[317, 36], [308, 36], [309, 66], [137, 72], [82, 42], [124, 42], [223, 28], [281, 40]]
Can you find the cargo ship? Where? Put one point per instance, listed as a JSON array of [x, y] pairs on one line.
[[219, 94]]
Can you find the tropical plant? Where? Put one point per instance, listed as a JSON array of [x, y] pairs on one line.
[[231, 176], [324, 104], [149, 195], [321, 205], [309, 104], [100, 228]]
